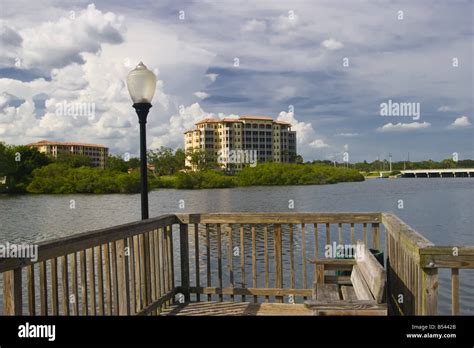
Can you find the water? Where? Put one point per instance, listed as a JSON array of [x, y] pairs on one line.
[[441, 209]]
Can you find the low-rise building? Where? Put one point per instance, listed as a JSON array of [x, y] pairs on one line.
[[97, 153]]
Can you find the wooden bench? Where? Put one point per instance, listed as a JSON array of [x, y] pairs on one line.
[[364, 294]]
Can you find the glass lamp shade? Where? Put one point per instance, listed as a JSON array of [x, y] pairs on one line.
[[141, 84]]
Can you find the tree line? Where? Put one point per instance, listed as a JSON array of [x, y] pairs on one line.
[[25, 169]]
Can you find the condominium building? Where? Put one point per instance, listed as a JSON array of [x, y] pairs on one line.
[[97, 153], [238, 142]]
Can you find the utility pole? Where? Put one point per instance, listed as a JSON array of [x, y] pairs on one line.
[[390, 159]]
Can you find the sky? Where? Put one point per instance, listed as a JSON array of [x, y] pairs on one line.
[[328, 67]]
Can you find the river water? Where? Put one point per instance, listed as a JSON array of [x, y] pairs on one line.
[[441, 209]]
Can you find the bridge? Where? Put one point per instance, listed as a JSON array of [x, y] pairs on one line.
[[438, 173]]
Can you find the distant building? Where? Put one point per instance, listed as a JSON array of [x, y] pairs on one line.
[[97, 153], [235, 142]]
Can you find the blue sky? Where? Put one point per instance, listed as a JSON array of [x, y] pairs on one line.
[[291, 56]]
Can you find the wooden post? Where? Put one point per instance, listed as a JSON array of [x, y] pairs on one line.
[[83, 271], [146, 256], [267, 268], [75, 287], [429, 291], [242, 260], [12, 298], [91, 274], [230, 261], [43, 288], [219, 261], [65, 284], [278, 262], [455, 291], [54, 286], [303, 257], [122, 279], [319, 274], [184, 252], [376, 236], [31, 289], [197, 258], [208, 261], [100, 280], [254, 261], [171, 255], [292, 260]]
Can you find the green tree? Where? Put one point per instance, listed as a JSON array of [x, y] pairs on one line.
[[166, 161], [74, 160], [202, 159], [20, 162], [117, 163], [298, 159]]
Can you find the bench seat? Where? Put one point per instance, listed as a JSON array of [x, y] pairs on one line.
[[365, 295]]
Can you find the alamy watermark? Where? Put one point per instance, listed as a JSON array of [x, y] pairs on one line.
[[76, 110], [37, 331], [238, 157], [21, 251], [346, 251], [391, 108]]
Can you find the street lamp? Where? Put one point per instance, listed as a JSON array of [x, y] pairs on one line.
[[141, 84]]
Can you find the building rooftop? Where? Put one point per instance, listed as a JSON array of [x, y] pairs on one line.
[[240, 119], [231, 119], [47, 142], [283, 123], [209, 119], [262, 118]]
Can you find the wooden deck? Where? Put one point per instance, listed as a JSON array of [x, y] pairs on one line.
[[237, 309], [260, 262]]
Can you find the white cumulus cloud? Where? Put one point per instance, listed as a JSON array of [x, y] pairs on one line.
[[401, 127], [332, 44], [201, 95], [318, 144], [254, 25], [460, 122]]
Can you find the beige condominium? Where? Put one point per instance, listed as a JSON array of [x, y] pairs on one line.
[[236, 142], [97, 153]]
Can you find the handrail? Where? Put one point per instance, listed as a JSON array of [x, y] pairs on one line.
[[413, 268], [130, 269], [279, 218], [66, 245], [118, 270]]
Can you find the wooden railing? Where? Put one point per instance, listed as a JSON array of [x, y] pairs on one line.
[[412, 269], [255, 255], [143, 267], [121, 270]]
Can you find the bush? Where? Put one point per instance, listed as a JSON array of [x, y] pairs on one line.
[[203, 179], [295, 174], [59, 178]]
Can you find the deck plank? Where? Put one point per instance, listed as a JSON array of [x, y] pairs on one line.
[[212, 308]]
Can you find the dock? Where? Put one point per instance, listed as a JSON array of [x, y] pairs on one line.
[[228, 264]]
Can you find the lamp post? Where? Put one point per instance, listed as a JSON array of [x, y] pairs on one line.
[[141, 84]]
